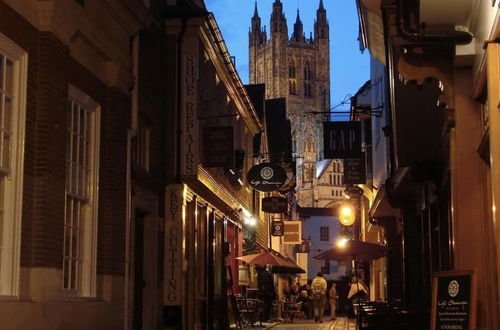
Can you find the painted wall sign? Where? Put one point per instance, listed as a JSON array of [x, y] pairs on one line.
[[342, 139], [218, 147], [172, 265], [189, 121], [277, 228], [454, 300], [266, 177], [293, 232], [354, 170], [274, 204]]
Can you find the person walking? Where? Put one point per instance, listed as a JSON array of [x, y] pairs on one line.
[[318, 287], [265, 284], [332, 297]]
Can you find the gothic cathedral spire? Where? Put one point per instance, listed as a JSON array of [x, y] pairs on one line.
[[298, 29], [321, 28], [278, 20]]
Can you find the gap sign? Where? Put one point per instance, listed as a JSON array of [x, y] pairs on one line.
[[342, 139]]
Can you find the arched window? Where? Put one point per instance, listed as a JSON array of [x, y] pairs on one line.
[[307, 79], [292, 82], [291, 69]]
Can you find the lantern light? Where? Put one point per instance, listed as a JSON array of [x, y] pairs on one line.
[[346, 216]]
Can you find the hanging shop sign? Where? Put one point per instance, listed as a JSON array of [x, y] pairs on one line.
[[266, 177], [277, 228], [172, 264], [293, 232], [342, 139], [218, 147], [454, 300], [354, 170], [274, 204]]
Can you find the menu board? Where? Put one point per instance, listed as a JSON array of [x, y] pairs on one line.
[[454, 298]]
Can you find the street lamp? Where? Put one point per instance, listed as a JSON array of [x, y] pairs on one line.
[[347, 215]]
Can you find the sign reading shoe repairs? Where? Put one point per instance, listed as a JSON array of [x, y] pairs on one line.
[[266, 177], [189, 112], [172, 264], [342, 139]]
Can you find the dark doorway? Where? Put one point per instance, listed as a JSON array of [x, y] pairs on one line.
[[138, 269]]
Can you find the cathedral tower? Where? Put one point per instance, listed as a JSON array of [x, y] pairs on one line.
[[298, 69]]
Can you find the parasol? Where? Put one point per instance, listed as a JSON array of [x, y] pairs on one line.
[[280, 263], [353, 250]]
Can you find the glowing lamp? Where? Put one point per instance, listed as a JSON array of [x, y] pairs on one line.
[[346, 216]]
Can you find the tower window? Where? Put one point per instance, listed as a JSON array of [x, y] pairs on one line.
[[291, 75], [307, 80], [291, 69]]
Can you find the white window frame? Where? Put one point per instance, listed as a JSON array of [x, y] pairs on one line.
[[11, 231], [86, 284]]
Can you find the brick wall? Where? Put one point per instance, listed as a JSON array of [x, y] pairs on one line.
[[50, 70]]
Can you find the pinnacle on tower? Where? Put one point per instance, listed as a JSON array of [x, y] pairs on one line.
[[255, 13], [321, 25], [298, 28], [256, 21], [278, 20]]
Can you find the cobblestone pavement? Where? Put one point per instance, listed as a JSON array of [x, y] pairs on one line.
[[341, 323]]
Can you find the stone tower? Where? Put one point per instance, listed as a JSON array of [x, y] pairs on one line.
[[298, 69]]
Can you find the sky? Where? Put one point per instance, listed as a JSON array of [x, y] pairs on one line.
[[349, 68]]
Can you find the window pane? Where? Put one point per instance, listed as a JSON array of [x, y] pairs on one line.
[[9, 75], [2, 58], [6, 151]]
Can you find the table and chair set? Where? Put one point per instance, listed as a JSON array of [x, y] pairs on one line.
[[383, 315]]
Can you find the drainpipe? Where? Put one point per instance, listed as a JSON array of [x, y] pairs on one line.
[[419, 36], [129, 237]]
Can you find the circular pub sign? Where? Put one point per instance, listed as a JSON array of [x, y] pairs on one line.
[[266, 177]]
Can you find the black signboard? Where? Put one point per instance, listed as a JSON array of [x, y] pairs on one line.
[[266, 177], [218, 147], [274, 204], [342, 139], [454, 297], [277, 228], [354, 170]]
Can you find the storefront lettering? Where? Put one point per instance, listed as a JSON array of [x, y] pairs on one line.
[[189, 129], [173, 245]]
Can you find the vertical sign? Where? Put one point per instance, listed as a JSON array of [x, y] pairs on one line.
[[189, 120], [293, 232], [173, 286], [342, 139]]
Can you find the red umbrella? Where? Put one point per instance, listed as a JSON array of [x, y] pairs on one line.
[[353, 250], [280, 263]]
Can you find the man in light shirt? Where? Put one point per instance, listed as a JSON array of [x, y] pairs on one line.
[[318, 287]]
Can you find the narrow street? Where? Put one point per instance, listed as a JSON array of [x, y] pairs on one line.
[[341, 323]]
